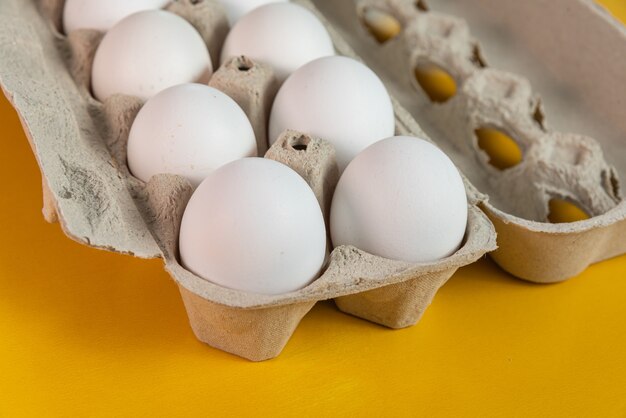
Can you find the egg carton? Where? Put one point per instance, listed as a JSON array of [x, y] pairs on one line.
[[80, 145], [541, 38]]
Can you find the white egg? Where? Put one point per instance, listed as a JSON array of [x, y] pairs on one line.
[[147, 52], [401, 198], [235, 9], [102, 15], [337, 99], [189, 130], [282, 35], [254, 225]]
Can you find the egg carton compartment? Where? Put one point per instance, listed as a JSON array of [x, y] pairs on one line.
[[412, 48], [80, 146]]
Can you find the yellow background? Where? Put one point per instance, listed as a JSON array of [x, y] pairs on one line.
[[89, 333]]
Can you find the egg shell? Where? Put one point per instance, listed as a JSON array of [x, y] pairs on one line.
[[209, 19], [400, 198], [189, 130], [235, 9], [147, 52], [338, 99], [253, 86], [283, 35], [254, 225], [102, 15]]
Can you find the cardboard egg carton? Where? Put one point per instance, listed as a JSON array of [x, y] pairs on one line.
[[80, 145], [580, 73]]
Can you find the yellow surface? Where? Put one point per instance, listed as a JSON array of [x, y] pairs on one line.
[[89, 333], [503, 151], [437, 83], [382, 25], [561, 211]]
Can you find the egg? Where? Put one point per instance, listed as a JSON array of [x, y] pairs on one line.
[[254, 225], [189, 130], [401, 198], [235, 9], [147, 52], [101, 15], [282, 35], [337, 99]]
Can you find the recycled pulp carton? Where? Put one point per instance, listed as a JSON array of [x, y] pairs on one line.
[[80, 147], [580, 73], [80, 142]]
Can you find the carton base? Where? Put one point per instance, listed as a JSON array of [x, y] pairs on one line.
[[254, 334], [398, 305]]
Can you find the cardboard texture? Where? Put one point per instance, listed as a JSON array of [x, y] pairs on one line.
[[541, 38], [80, 145]]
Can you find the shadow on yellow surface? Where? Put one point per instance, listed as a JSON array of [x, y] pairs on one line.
[[90, 333]]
